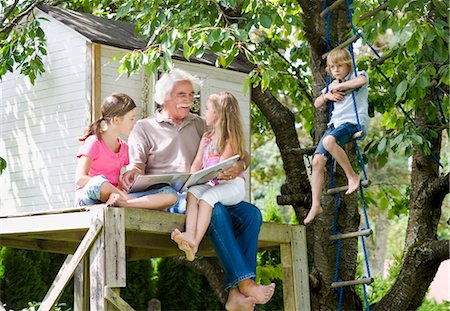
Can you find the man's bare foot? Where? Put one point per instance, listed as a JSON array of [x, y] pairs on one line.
[[261, 293], [239, 302], [313, 212], [353, 184], [113, 200]]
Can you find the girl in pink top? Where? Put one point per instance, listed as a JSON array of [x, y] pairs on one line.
[[224, 140], [104, 153]]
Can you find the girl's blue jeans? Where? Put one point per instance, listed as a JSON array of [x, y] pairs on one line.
[[234, 232]]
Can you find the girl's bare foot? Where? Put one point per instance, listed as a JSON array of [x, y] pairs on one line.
[[239, 302], [261, 293], [185, 244], [113, 200], [353, 184], [313, 212]]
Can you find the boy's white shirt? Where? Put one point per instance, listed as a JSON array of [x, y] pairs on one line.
[[344, 112]]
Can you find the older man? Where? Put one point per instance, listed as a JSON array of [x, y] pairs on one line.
[[168, 142]]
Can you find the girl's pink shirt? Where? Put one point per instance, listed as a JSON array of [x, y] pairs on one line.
[[104, 161]]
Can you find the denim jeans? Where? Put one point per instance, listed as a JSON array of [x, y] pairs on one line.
[[234, 231], [343, 134]]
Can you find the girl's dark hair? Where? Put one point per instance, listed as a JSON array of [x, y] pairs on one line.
[[115, 105]]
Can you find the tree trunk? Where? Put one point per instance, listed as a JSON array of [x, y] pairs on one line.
[[422, 253]]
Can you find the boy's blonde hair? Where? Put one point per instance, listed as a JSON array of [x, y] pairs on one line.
[[229, 125], [340, 56]]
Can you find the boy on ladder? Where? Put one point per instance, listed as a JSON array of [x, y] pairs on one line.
[[344, 123]]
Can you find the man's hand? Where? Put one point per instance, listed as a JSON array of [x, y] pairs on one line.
[[129, 177], [232, 172]]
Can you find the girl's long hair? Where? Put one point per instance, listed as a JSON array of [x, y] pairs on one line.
[[229, 124], [115, 105]]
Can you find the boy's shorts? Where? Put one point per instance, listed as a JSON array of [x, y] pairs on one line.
[[343, 134]]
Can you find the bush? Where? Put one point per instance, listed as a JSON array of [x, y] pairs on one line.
[[181, 288], [140, 288]]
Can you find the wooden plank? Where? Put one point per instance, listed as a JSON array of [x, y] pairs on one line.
[[288, 279], [115, 247], [300, 268], [48, 212], [342, 45], [45, 223], [381, 60], [113, 297], [97, 271], [96, 87], [81, 286], [157, 222], [68, 268], [331, 7], [60, 247]]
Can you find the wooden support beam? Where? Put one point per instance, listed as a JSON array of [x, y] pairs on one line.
[[60, 247], [113, 297], [115, 247], [352, 282], [350, 234], [300, 268], [374, 11], [68, 268], [81, 286], [288, 279], [344, 188], [342, 45], [331, 7]]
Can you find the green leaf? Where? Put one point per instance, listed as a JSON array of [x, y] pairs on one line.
[[401, 88], [265, 20], [2, 165]]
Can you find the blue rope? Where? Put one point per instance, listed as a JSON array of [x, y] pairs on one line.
[[341, 294], [436, 92], [366, 218], [365, 254], [337, 198], [338, 254], [366, 300], [360, 159]]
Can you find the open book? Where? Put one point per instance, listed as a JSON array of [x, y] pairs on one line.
[[182, 181]]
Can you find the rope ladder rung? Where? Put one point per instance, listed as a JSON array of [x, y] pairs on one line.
[[352, 282], [335, 190], [374, 11], [348, 235], [343, 45], [331, 7]]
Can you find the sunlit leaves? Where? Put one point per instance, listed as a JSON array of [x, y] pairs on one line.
[[2, 165]]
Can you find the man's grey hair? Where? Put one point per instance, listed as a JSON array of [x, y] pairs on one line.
[[165, 84]]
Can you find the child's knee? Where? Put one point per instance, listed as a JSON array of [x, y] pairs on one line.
[[319, 161], [329, 142]]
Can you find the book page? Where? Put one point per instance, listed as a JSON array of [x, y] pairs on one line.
[[143, 182], [208, 173]]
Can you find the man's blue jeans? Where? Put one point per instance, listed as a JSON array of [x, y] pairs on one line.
[[234, 232]]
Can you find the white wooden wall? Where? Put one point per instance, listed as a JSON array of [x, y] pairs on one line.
[[39, 126]]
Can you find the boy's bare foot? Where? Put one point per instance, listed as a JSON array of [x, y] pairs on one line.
[[353, 184], [239, 302], [261, 293], [113, 200], [313, 212]]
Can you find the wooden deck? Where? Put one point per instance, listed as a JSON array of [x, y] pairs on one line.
[[102, 239]]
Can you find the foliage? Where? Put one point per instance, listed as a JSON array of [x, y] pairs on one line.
[[29, 280], [3, 165], [140, 288], [181, 288]]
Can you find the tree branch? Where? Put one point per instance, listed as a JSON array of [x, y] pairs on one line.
[[11, 9], [438, 188], [18, 17]]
